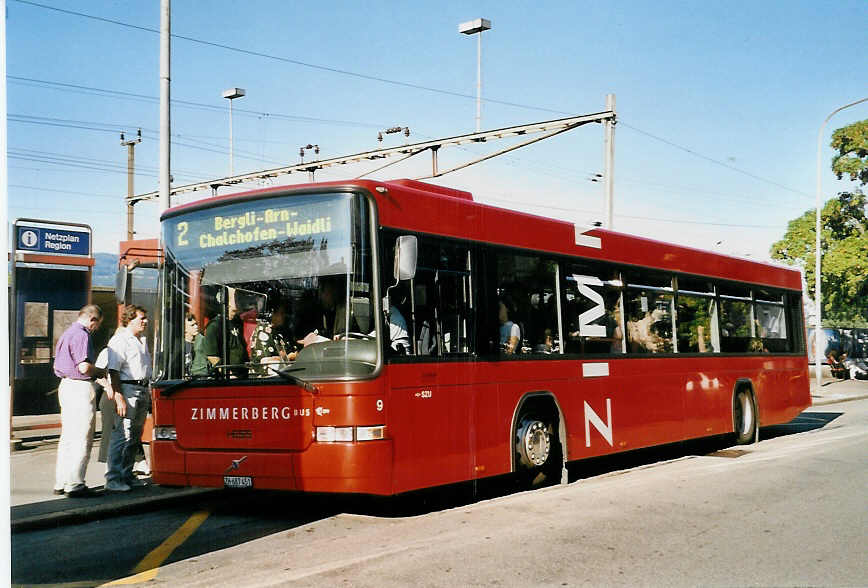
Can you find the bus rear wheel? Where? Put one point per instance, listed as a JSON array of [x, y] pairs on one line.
[[538, 451], [744, 417]]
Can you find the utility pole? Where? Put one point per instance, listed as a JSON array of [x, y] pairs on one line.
[[165, 113], [131, 165], [609, 156]]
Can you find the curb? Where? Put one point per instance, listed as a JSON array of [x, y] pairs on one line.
[[824, 400], [106, 508]]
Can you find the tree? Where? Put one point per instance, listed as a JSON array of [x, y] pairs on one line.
[[851, 142], [844, 243], [843, 237]]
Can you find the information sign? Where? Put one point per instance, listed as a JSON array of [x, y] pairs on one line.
[[47, 239]]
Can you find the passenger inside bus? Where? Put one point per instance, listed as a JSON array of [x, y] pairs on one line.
[[269, 344], [332, 312], [213, 344], [510, 333], [399, 337], [195, 362]]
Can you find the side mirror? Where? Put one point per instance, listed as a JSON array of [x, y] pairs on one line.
[[406, 248], [121, 281]]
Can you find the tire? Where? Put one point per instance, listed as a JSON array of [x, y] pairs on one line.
[[744, 417], [539, 458]]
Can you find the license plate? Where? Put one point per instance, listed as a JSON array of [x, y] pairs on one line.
[[238, 481]]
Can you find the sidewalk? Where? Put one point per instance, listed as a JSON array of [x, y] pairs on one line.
[[834, 390], [32, 480]]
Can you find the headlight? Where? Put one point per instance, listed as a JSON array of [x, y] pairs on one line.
[[345, 434], [370, 433], [165, 433], [332, 434]]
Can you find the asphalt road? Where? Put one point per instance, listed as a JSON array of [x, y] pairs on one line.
[[788, 511]]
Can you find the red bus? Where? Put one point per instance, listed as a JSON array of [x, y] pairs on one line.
[[415, 338]]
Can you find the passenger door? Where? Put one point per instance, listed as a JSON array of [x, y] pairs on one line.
[[433, 386]]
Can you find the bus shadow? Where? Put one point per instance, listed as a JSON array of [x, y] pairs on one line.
[[805, 422]]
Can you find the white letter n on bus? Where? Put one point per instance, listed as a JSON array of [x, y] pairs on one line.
[[591, 418]]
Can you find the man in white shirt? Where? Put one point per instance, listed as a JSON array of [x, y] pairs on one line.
[[129, 364]]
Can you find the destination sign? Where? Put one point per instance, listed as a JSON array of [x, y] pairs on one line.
[[249, 225], [47, 239]]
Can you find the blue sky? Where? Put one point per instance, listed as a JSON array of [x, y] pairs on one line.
[[719, 103]]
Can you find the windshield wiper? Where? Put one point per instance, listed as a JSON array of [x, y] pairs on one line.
[[286, 374]]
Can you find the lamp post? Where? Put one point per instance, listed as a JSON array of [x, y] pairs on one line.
[[818, 298], [475, 27], [231, 94], [130, 144]]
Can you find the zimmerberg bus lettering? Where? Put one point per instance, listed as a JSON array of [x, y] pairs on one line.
[[244, 413]]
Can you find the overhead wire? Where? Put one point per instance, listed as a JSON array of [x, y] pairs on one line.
[[366, 77]]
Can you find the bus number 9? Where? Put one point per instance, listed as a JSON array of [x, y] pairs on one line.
[[379, 406]]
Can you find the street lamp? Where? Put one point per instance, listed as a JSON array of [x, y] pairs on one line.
[[231, 94], [818, 298], [475, 27]]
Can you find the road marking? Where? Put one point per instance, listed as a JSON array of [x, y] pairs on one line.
[[147, 568]]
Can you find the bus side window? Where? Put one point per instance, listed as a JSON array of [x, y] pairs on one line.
[[649, 307], [526, 305], [593, 318]]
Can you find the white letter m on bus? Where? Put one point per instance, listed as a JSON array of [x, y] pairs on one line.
[[591, 418], [586, 329]]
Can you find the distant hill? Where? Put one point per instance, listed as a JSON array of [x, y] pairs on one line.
[[105, 269]]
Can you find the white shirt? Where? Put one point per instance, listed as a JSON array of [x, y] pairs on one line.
[[128, 355], [398, 329], [508, 330]]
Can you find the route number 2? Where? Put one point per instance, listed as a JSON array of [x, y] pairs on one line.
[[183, 227]]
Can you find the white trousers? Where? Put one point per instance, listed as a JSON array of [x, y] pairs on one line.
[[76, 433]]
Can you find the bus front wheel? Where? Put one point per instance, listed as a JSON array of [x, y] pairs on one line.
[[744, 417]]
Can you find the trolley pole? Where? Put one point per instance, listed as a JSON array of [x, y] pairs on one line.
[[131, 166]]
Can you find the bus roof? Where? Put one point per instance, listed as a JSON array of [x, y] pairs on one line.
[[411, 205]]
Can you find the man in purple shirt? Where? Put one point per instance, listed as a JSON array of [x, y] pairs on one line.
[[74, 363]]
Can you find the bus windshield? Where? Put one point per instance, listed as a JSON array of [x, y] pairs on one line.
[[269, 287]]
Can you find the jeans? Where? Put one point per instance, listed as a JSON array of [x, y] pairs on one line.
[[126, 434], [76, 433]]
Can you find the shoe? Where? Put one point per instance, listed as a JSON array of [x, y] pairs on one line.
[[136, 483], [81, 492], [117, 486], [142, 468], [58, 491]]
